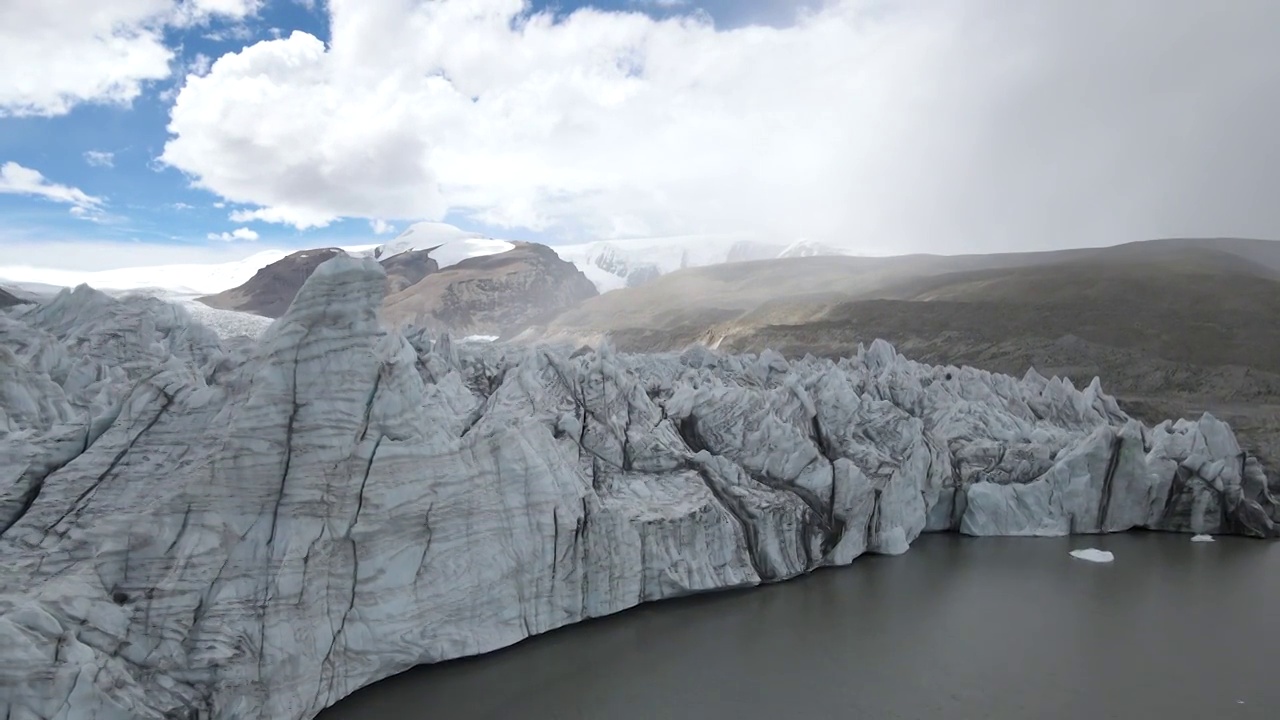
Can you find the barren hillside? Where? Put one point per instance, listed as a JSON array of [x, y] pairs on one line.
[[1173, 327]]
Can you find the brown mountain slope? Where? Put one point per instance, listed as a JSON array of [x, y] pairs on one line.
[[492, 294], [270, 291], [1104, 271], [408, 268], [8, 299], [1191, 306], [1173, 328], [1204, 311], [691, 300]]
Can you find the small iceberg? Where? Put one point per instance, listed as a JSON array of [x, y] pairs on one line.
[[1202, 538], [1093, 555]]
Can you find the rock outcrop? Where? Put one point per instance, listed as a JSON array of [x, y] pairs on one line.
[[498, 294], [8, 299], [407, 269], [633, 273], [192, 530], [271, 290]]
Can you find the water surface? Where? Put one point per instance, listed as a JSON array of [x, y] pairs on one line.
[[986, 628]]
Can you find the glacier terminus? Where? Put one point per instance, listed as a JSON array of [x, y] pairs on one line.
[[195, 527]]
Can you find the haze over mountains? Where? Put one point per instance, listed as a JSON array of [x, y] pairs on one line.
[[482, 287], [1176, 326], [264, 283], [609, 264], [615, 264], [798, 289]]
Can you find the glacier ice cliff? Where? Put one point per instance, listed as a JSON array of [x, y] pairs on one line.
[[199, 528]]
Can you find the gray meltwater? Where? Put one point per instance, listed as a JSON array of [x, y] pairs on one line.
[[1000, 628]]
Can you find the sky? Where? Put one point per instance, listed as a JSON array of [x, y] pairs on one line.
[[156, 131]]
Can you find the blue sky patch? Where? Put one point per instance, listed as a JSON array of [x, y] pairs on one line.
[[109, 151]]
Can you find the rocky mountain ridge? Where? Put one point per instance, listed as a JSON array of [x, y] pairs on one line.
[[271, 290], [500, 294], [497, 294], [361, 501], [8, 299]]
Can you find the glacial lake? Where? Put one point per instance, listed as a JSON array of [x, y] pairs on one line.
[[957, 628]]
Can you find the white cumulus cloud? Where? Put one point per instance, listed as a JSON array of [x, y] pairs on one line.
[[18, 180], [873, 124], [56, 54], [239, 234]]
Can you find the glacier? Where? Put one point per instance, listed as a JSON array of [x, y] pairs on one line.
[[189, 279], [198, 527]]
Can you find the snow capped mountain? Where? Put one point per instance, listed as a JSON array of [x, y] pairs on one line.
[[449, 244], [614, 264], [809, 248], [748, 250], [667, 253], [608, 266]]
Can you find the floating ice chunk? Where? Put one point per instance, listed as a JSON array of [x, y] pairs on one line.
[[1093, 555], [1202, 538]]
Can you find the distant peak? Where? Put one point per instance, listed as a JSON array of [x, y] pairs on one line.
[[447, 243], [810, 248], [314, 252]]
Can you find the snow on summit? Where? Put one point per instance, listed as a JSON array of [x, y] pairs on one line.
[[451, 244], [809, 248], [614, 264]]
